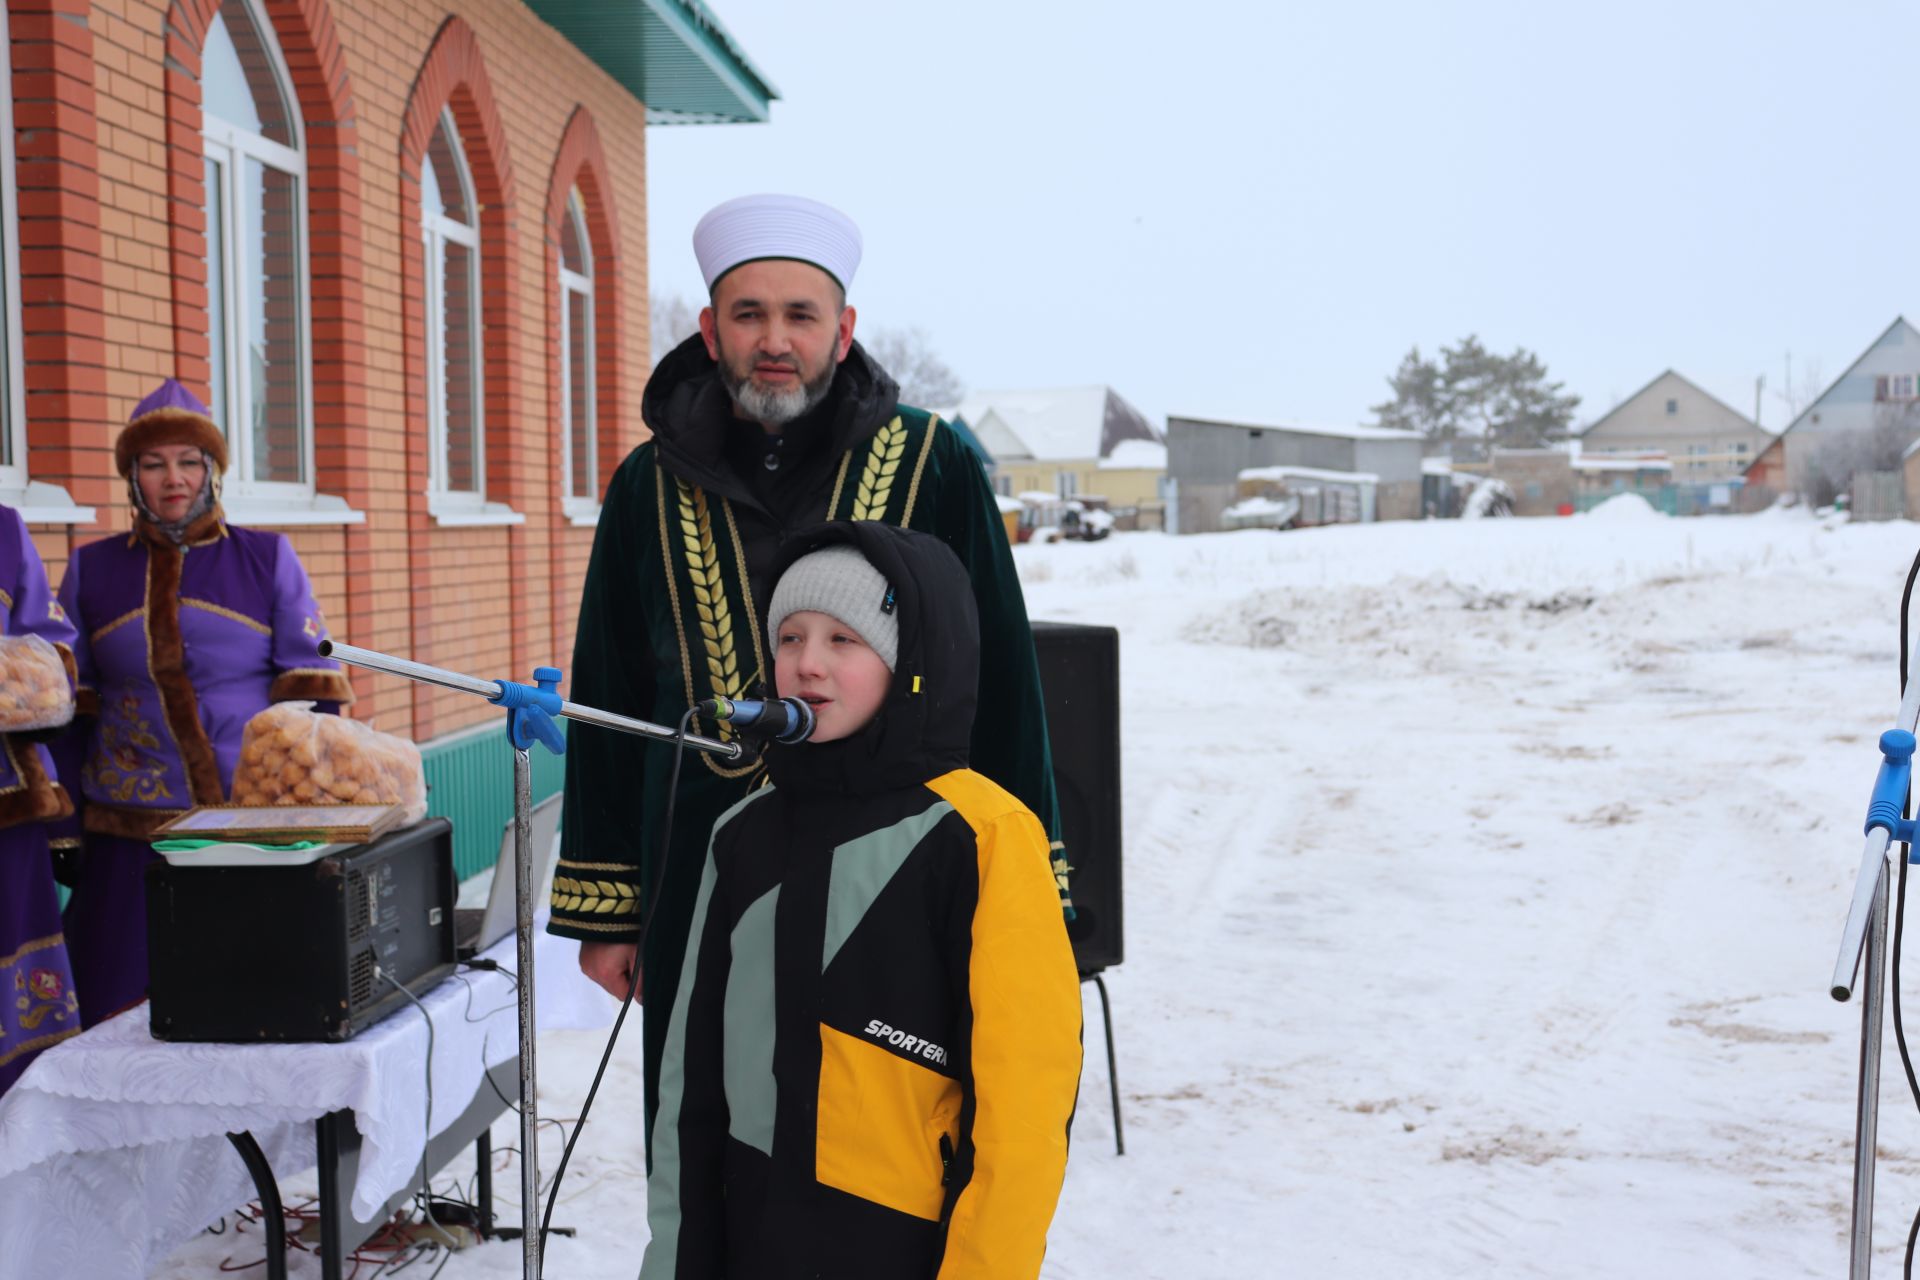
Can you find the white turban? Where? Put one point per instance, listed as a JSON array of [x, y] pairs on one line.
[[753, 227]]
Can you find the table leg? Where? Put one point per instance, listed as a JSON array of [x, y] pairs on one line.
[[272, 1215], [332, 1202]]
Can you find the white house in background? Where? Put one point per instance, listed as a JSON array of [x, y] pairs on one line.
[[1707, 441], [1072, 442], [1882, 386]]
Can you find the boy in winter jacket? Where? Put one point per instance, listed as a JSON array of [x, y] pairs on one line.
[[873, 1055]]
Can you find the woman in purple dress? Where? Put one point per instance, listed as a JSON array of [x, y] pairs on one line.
[[37, 1005], [187, 627]]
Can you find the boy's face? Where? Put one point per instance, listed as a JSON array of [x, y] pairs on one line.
[[824, 662]]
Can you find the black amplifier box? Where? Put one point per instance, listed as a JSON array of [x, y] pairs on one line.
[[294, 953]]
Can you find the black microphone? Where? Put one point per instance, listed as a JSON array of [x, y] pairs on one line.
[[787, 720]]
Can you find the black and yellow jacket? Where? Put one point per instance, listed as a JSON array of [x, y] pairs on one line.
[[872, 1058]]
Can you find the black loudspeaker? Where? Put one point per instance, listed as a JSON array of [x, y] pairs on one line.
[[1080, 684], [290, 953]]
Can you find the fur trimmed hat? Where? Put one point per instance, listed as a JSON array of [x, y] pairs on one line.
[[839, 582], [171, 415]]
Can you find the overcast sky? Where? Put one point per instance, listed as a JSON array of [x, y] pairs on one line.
[[1254, 210]]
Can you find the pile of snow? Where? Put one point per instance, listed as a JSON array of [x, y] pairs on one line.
[[1625, 506], [1248, 507], [1489, 498]]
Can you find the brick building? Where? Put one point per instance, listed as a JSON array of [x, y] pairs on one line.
[[400, 250]]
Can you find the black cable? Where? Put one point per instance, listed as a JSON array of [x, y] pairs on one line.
[[1900, 914], [425, 1186], [633, 986]]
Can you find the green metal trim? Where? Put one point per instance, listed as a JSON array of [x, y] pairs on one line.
[[470, 783], [673, 55]]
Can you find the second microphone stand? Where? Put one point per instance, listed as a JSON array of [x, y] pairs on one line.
[[531, 711]]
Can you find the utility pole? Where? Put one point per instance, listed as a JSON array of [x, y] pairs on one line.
[[1759, 385]]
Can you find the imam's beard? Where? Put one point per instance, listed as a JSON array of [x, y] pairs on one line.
[[773, 406]]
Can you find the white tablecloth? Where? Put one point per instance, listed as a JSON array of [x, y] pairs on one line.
[[113, 1148]]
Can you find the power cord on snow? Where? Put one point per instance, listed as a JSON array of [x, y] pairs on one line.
[[1900, 913], [633, 987]]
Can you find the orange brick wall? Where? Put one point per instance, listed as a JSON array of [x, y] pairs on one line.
[[114, 294]]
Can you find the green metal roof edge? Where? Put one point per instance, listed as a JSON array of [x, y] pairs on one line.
[[700, 32], [671, 55]]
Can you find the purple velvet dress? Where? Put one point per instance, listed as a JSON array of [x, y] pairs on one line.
[[179, 646], [37, 1004]]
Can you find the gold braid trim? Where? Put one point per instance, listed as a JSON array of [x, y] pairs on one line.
[[709, 595], [839, 483], [746, 592], [876, 478], [679, 621], [595, 897], [673, 588], [919, 465]]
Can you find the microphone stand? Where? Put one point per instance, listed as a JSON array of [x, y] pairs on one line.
[[1866, 931], [530, 714]]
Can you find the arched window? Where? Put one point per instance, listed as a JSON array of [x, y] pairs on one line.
[[450, 230], [13, 394], [578, 407], [256, 254]]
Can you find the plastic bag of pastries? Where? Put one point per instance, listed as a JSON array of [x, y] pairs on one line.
[[291, 754], [34, 690]]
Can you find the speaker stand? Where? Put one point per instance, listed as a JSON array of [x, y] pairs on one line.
[[1113, 1075]]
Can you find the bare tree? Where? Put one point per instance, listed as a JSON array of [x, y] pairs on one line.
[[924, 378], [1797, 393], [1831, 466], [674, 321]]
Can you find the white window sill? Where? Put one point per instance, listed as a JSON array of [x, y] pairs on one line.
[[463, 511], [258, 511], [581, 513], [41, 503]]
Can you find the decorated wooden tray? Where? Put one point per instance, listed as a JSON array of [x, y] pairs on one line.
[[266, 824]]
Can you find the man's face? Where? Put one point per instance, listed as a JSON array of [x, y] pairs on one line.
[[826, 664], [777, 328]]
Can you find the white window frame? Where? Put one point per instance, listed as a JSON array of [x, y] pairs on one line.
[[231, 146], [579, 507], [36, 501], [453, 506], [1066, 484], [1900, 386]]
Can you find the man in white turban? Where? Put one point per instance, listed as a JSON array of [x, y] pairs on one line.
[[770, 420]]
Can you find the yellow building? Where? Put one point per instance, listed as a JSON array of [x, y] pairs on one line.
[[1081, 443]]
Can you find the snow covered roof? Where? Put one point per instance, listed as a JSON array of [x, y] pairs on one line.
[[1007, 504], [1142, 455], [1309, 473], [1310, 429], [1055, 424], [1436, 466]]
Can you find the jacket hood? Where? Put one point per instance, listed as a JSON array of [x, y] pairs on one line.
[[926, 723], [689, 412]]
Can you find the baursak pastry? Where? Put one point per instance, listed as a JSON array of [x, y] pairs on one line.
[[34, 690], [294, 755]]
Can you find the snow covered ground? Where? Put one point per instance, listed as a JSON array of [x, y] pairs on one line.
[[1483, 882]]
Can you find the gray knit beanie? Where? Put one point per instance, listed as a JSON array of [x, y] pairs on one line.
[[839, 582]]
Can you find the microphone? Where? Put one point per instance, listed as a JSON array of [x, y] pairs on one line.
[[786, 720]]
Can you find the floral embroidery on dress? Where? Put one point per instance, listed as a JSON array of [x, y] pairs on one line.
[[121, 770]]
